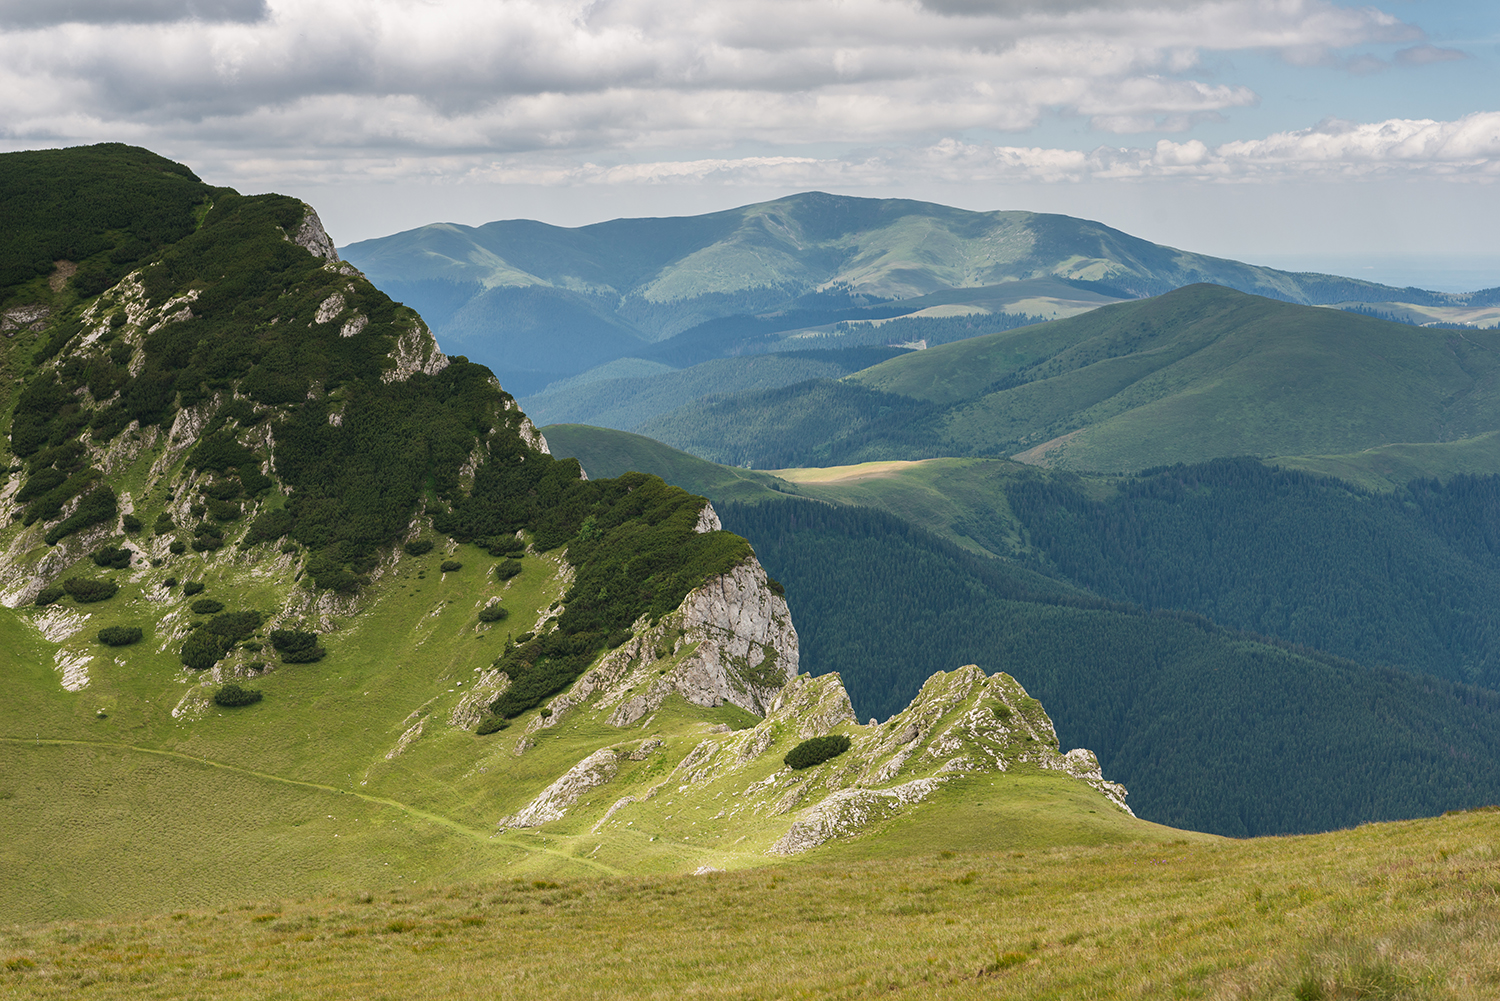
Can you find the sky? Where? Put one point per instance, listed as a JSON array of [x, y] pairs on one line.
[[1300, 133]]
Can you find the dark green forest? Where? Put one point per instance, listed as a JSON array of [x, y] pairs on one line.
[[1409, 579], [1210, 729]]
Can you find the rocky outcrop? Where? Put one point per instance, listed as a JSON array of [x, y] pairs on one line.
[[734, 642], [415, 351], [312, 238], [590, 773], [849, 811]]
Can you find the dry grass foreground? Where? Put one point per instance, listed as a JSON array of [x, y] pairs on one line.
[[1401, 910]]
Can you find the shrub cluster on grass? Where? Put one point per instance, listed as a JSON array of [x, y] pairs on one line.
[[83, 590], [192, 587], [232, 695], [493, 612], [120, 635], [418, 547], [207, 606], [491, 724], [114, 559], [448, 566], [508, 568], [208, 644], [297, 647], [816, 751], [50, 593]]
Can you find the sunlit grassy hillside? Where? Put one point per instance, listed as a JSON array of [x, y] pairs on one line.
[[1392, 911]]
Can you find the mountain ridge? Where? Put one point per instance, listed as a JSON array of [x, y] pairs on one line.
[[538, 303]]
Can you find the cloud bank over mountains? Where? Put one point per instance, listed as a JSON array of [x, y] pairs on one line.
[[1469, 147], [377, 86]]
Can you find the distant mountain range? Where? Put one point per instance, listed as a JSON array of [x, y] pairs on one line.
[[539, 303], [1194, 374]]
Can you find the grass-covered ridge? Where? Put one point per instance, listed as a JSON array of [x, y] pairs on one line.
[[1198, 373], [1308, 917], [1138, 608], [241, 470]]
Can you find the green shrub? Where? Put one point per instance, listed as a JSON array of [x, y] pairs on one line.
[[207, 606], [112, 558], [816, 751], [177, 547], [201, 651], [267, 527], [448, 566], [163, 523], [505, 545], [254, 646], [297, 647], [96, 508], [86, 591], [224, 510], [418, 547], [232, 695], [49, 594], [169, 582], [506, 569], [491, 724], [211, 641], [131, 523], [493, 612], [192, 587], [120, 635]]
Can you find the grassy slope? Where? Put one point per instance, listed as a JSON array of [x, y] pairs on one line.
[[1401, 910], [1197, 373], [605, 453], [627, 403], [1387, 466]]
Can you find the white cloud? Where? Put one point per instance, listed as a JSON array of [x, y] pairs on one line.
[[373, 79], [1468, 148]]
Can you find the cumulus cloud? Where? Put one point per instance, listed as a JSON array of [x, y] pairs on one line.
[[34, 14], [1466, 148], [391, 78]]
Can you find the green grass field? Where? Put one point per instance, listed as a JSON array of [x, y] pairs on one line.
[[1389, 911]]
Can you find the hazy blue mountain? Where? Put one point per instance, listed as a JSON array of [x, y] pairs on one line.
[[538, 303]]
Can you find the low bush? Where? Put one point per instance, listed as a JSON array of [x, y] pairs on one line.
[[267, 527], [85, 591], [113, 559], [207, 606], [506, 569], [418, 547], [211, 641], [493, 612], [200, 651], [816, 751], [297, 647], [491, 724], [120, 635], [177, 547], [49, 594], [232, 695], [224, 510], [192, 587], [448, 566], [506, 545], [132, 524]]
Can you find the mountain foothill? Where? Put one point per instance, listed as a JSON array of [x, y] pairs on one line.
[[299, 599]]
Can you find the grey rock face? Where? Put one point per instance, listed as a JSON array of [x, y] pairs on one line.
[[311, 237]]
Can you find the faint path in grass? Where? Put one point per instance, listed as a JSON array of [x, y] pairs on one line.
[[433, 818]]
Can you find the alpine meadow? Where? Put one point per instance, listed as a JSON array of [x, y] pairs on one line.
[[894, 599]]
